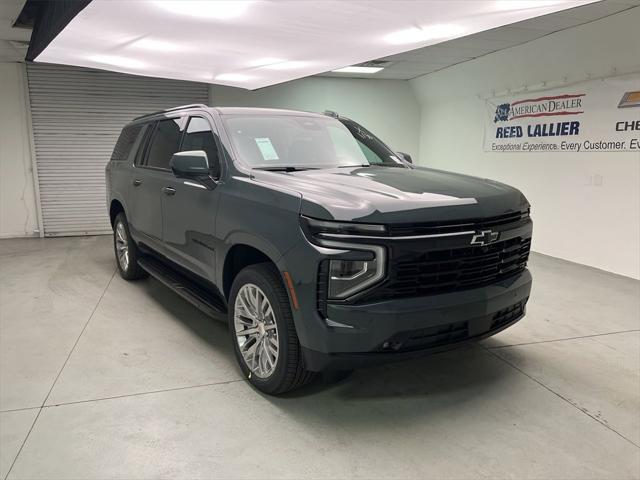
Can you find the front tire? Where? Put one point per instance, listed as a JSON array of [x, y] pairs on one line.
[[126, 250], [263, 333]]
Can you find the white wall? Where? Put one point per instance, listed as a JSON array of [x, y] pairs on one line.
[[596, 226], [17, 197], [386, 107]]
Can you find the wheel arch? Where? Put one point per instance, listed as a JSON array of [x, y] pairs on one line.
[[239, 256], [115, 208]]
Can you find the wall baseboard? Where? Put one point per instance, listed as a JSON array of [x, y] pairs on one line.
[[4, 236]]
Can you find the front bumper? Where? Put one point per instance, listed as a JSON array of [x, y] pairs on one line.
[[404, 328]]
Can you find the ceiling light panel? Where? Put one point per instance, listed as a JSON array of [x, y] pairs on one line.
[[257, 43], [356, 69]]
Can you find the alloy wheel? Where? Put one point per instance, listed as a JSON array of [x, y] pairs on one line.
[[256, 330], [122, 246]]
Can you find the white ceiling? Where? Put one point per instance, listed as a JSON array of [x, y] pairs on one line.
[[13, 41], [257, 43], [406, 65], [429, 59]]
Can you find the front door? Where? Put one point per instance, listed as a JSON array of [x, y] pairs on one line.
[[190, 206]]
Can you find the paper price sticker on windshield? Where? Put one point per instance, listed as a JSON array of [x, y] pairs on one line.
[[266, 149]]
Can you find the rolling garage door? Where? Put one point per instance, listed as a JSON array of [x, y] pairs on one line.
[[77, 115]]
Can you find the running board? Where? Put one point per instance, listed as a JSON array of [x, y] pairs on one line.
[[193, 293]]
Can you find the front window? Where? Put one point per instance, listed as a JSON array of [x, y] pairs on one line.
[[290, 141], [199, 136], [164, 143]]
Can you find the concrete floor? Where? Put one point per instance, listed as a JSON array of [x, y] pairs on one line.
[[100, 378]]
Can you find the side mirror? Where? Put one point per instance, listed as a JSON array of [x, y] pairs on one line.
[[193, 163], [406, 157]]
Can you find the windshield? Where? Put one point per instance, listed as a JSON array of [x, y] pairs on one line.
[[288, 141]]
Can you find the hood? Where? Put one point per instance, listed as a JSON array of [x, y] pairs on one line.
[[395, 195]]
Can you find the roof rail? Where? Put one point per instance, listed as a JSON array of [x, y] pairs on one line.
[[181, 107]]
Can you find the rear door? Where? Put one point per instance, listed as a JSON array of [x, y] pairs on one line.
[[118, 170], [190, 206], [150, 176]]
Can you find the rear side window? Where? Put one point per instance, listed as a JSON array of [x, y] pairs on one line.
[[164, 143], [200, 137], [125, 143]]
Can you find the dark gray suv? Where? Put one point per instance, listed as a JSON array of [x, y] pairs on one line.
[[322, 247]]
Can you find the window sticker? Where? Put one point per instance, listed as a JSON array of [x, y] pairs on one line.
[[266, 149]]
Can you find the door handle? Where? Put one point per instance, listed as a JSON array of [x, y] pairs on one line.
[[169, 190], [137, 182]]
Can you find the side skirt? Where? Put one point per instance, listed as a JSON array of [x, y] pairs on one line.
[[191, 291]]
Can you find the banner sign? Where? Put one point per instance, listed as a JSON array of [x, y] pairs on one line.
[[596, 115]]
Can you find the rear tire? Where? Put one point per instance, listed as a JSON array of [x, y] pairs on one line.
[[126, 250], [259, 306]]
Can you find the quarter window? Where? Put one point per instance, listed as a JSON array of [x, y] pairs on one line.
[[165, 142], [125, 142], [200, 137]]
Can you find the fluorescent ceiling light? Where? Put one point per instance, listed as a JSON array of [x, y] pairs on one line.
[[358, 70], [424, 34], [254, 44], [117, 61], [206, 9]]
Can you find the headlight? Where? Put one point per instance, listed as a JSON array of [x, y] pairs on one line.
[[347, 277], [327, 229], [354, 266]]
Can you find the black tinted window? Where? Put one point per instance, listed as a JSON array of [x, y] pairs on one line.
[[165, 142], [125, 143], [200, 137], [141, 143]]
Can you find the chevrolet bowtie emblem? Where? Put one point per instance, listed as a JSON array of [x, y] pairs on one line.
[[485, 237]]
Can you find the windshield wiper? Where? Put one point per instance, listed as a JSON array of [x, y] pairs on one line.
[[389, 165], [285, 169]]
